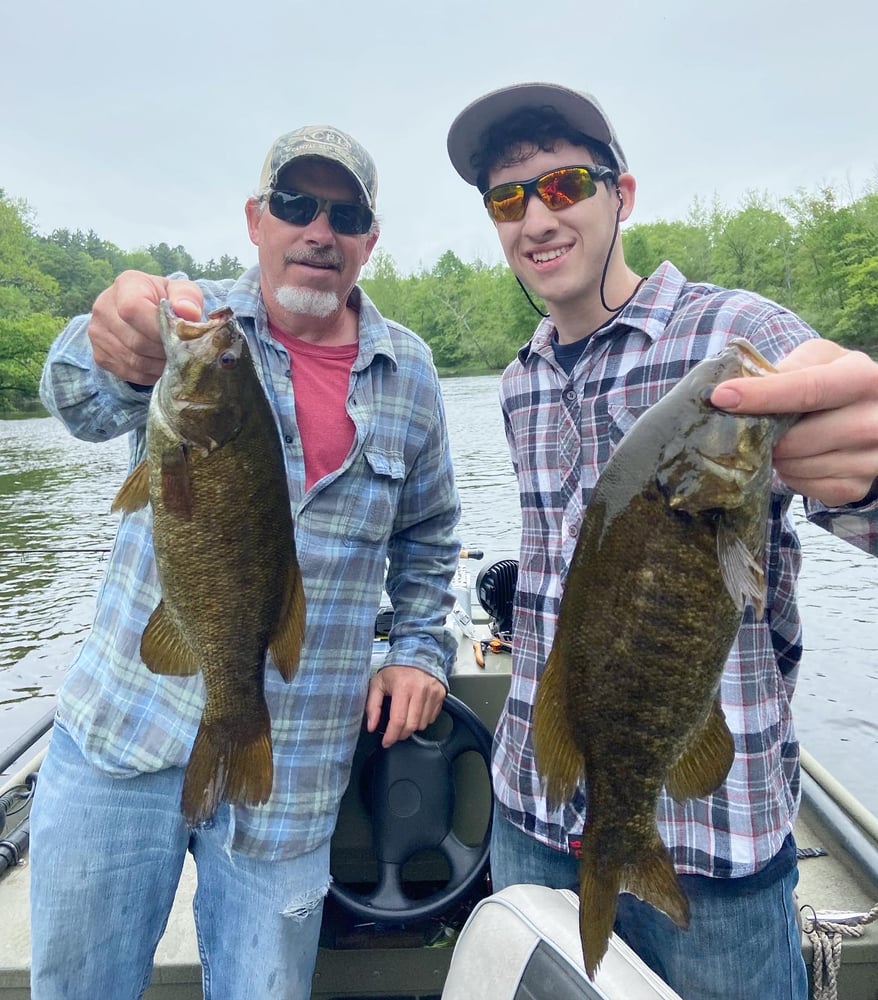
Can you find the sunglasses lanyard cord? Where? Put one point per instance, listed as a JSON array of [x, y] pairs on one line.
[[529, 299], [603, 278], [607, 264]]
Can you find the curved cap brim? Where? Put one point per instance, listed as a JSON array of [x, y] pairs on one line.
[[581, 111]]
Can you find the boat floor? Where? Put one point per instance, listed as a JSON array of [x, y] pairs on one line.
[[833, 883], [827, 884], [835, 889]]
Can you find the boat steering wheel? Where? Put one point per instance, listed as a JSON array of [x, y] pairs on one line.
[[411, 797]]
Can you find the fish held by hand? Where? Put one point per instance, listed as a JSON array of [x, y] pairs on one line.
[[670, 553], [231, 589]]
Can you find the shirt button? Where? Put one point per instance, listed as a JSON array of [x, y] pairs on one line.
[[574, 530], [288, 438], [570, 394]]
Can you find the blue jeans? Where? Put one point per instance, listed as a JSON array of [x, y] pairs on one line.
[[739, 946], [106, 857]]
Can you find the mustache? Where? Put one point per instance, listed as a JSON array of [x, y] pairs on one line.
[[319, 256]]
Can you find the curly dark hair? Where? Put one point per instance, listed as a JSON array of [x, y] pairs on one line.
[[512, 139]]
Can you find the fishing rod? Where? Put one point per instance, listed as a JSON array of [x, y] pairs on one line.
[[18, 793], [27, 739]]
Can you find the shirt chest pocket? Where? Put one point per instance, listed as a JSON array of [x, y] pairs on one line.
[[623, 407], [374, 497], [613, 418]]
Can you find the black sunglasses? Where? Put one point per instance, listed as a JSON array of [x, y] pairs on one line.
[[556, 189], [300, 209]]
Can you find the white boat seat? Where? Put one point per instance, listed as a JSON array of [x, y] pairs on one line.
[[523, 943]]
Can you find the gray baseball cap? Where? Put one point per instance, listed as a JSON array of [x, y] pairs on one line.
[[328, 143], [582, 111]]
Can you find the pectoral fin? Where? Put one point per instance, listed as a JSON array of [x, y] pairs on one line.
[[557, 758], [286, 641], [742, 573], [163, 649], [705, 763], [134, 492]]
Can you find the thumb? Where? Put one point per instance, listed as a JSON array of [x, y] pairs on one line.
[[186, 299], [374, 703]]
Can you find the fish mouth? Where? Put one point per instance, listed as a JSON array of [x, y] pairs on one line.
[[724, 463], [184, 402], [173, 326], [753, 364]]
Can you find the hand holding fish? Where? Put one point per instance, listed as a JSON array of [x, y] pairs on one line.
[[124, 328], [831, 454], [415, 701]]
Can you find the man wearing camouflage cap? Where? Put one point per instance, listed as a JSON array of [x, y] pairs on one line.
[[357, 402]]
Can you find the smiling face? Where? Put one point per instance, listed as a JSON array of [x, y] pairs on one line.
[[307, 272], [560, 255]]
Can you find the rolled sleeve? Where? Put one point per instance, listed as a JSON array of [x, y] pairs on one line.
[[92, 403]]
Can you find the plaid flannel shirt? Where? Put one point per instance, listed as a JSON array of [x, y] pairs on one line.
[[561, 432], [392, 505]]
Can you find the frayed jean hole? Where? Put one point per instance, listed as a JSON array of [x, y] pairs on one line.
[[303, 906]]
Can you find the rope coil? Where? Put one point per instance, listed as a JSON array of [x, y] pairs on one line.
[[826, 936]]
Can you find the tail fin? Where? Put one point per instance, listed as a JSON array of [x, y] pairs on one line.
[[653, 880], [227, 765], [598, 893]]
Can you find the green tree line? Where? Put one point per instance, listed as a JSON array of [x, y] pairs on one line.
[[46, 280], [814, 252]]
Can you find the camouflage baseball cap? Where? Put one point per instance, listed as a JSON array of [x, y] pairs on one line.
[[330, 144]]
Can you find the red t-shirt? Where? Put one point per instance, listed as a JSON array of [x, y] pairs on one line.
[[321, 378]]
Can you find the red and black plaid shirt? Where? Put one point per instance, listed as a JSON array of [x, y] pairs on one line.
[[562, 430]]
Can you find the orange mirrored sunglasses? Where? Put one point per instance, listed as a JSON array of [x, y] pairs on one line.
[[556, 189]]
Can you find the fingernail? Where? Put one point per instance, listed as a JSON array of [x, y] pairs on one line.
[[187, 309], [725, 398]]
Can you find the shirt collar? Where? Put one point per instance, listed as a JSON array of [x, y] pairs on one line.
[[649, 311]]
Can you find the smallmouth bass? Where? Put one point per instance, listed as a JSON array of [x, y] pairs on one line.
[[670, 552], [215, 478]]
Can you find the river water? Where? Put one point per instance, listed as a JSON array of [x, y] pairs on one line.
[[56, 530]]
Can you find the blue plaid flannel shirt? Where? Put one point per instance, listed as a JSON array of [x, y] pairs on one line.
[[392, 506]]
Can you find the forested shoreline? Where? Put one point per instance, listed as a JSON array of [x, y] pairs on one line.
[[814, 252]]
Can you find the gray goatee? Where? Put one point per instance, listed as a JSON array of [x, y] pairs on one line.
[[307, 301]]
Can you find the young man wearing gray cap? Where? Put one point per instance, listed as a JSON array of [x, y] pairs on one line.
[[555, 182], [357, 401]]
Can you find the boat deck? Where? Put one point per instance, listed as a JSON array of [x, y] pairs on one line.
[[843, 882], [828, 884], [838, 887]]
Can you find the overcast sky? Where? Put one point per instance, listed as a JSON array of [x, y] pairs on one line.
[[149, 122]]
